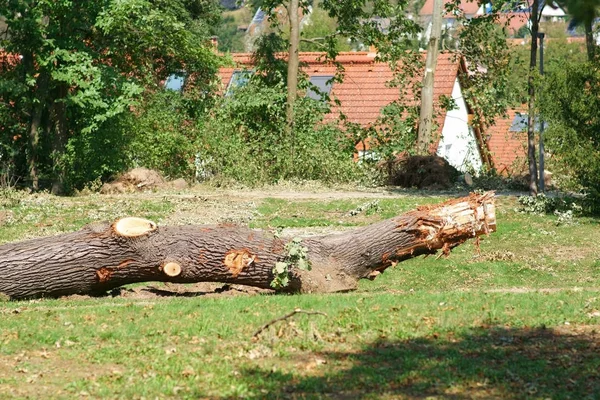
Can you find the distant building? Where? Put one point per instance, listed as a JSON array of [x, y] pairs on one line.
[[365, 91], [513, 19], [231, 4]]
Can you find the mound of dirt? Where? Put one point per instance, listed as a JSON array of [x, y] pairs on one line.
[[137, 179], [423, 172]]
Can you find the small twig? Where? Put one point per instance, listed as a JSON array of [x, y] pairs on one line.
[[286, 316]]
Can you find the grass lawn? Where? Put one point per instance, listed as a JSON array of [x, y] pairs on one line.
[[517, 317]]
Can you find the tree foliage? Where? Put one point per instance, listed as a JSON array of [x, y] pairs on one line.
[[83, 65], [584, 12], [245, 139], [570, 104]]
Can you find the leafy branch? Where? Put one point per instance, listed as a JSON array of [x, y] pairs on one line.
[[297, 257]]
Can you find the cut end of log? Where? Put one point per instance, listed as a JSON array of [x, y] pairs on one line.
[[172, 269], [133, 227]]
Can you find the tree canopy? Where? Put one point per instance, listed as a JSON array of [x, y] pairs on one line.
[[84, 63]]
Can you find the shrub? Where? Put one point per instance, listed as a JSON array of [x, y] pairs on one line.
[[423, 172], [165, 132], [247, 140], [571, 106]]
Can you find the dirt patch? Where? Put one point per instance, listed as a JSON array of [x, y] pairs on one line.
[[46, 374], [168, 290], [141, 179]]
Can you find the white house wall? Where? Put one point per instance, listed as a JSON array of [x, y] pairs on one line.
[[458, 144]]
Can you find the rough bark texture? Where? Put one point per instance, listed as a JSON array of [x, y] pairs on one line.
[[590, 43], [104, 256], [293, 65], [426, 112], [533, 175]]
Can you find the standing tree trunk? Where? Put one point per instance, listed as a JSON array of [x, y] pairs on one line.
[[38, 99], [292, 75], [589, 38], [59, 124], [426, 112], [531, 106], [104, 256]]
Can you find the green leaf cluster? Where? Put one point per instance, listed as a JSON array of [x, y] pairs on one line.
[[297, 257], [570, 105], [245, 138], [81, 68]]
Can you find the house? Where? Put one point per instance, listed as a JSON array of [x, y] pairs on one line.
[[513, 19], [365, 90], [507, 142]]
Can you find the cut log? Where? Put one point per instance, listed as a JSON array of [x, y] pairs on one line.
[[101, 257]]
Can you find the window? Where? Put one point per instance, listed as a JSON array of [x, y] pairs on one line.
[[259, 17], [321, 86], [238, 79], [175, 82], [519, 123]]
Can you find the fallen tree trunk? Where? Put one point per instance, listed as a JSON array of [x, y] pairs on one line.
[[101, 257]]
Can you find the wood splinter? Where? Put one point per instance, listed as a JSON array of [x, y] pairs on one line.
[[133, 227], [172, 269]]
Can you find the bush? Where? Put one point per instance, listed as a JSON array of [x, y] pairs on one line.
[[571, 106], [165, 132], [430, 172], [564, 207], [247, 140]]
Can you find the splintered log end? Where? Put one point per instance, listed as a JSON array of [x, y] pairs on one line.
[[131, 227], [172, 269], [470, 217]]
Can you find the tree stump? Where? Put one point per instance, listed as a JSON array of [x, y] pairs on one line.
[[104, 256]]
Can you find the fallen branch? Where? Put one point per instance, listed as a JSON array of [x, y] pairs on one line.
[[286, 316], [103, 256]]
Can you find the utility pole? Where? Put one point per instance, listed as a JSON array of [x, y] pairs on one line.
[[426, 115], [541, 35]]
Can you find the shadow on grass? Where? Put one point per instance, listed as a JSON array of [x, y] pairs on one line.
[[486, 363], [183, 290]]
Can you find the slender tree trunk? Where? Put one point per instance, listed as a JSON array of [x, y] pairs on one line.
[[35, 126], [589, 39], [104, 256], [426, 112], [292, 75], [59, 116], [531, 106]]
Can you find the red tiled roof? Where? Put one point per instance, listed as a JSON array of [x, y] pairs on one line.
[[513, 21], [364, 90], [469, 8], [508, 149]]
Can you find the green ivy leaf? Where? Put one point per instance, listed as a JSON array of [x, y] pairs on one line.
[[281, 267]]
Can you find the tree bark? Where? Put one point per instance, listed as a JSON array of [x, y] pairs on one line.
[[589, 38], [39, 96], [533, 175], [59, 124], [104, 256], [292, 72], [426, 112]]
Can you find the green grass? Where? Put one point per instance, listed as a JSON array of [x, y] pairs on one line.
[[296, 214], [517, 319]]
